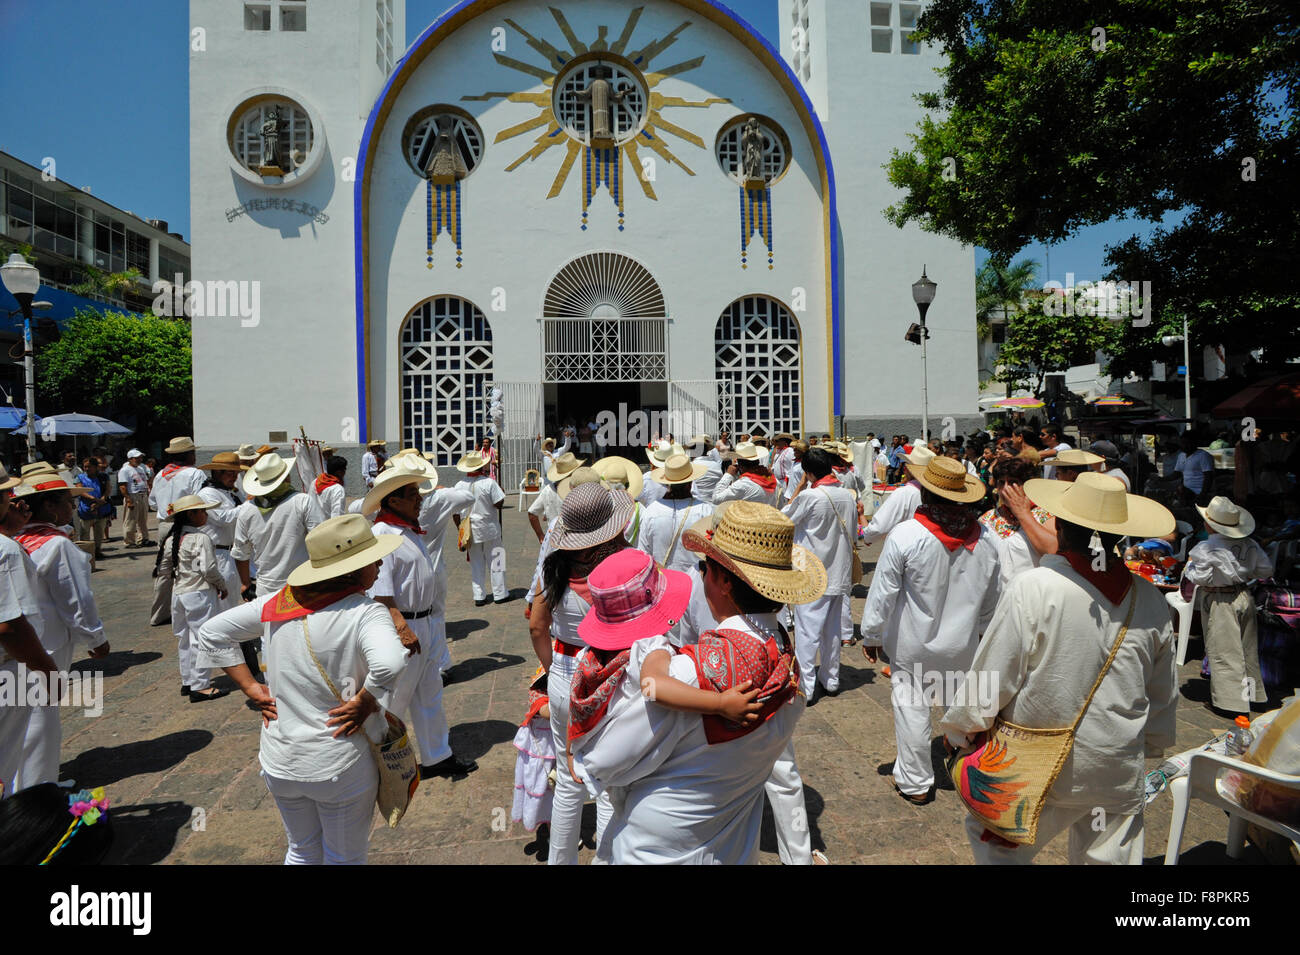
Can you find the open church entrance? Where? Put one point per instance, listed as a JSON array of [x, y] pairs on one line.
[[627, 415]]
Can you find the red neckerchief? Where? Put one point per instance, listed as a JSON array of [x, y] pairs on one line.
[[1113, 582], [949, 541], [397, 520], [536, 701], [724, 658], [288, 605], [579, 586], [326, 480], [766, 481], [171, 469], [828, 479], [593, 687], [36, 535]]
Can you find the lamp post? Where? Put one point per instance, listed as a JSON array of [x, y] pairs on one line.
[[1170, 340], [23, 280], [923, 294]]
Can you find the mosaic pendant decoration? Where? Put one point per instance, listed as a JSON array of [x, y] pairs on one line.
[[755, 216], [601, 166], [444, 214]]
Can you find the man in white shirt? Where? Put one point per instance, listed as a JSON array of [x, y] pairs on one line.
[[746, 479], [372, 461], [436, 511], [782, 458], [219, 491], [1052, 446], [133, 485], [825, 517], [408, 586], [551, 454], [179, 478], [668, 517], [486, 551], [934, 590], [271, 526], [902, 502], [1195, 465], [330, 494], [652, 490]]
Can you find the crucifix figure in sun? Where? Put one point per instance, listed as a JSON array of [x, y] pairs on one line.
[[600, 94]]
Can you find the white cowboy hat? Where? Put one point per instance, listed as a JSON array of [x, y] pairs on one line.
[[1074, 458], [661, 452], [920, 455], [267, 474], [1099, 502], [748, 451], [620, 472], [409, 469], [679, 469], [576, 478], [471, 462], [339, 546], [247, 452], [190, 502], [1226, 518], [180, 445], [564, 465]]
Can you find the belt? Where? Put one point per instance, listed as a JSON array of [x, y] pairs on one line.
[[1235, 588], [221, 546], [416, 614], [567, 649]]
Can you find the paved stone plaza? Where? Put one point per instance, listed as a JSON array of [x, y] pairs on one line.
[[185, 785]]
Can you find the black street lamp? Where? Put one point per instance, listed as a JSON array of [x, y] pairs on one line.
[[23, 281], [923, 294]]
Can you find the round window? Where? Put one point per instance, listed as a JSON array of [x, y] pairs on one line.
[[442, 143], [753, 149], [600, 102], [273, 138]]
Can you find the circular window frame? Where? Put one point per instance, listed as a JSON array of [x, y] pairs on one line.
[[607, 59], [770, 126], [247, 101], [420, 115]]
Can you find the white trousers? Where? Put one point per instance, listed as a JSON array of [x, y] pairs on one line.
[[570, 795], [1097, 837], [43, 740], [328, 822], [846, 618], [190, 612], [230, 574], [419, 693], [485, 556], [785, 793], [817, 630], [913, 771], [13, 731]]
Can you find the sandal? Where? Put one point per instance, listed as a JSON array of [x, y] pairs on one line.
[[917, 800], [202, 696]]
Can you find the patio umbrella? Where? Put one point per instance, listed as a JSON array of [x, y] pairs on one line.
[[1273, 398], [1111, 401], [60, 425], [11, 417], [1018, 403]]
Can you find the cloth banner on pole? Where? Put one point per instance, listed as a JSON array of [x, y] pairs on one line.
[[308, 462]]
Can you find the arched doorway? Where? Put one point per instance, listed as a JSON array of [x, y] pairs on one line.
[[756, 348]]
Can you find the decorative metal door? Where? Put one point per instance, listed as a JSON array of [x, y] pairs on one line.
[[522, 403], [696, 407]]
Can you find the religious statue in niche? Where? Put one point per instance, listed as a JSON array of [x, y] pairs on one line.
[[601, 95], [445, 165], [751, 150], [271, 127]]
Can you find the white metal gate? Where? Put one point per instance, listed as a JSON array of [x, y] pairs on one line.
[[696, 407], [517, 445]]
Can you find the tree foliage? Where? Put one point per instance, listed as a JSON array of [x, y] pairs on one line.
[[1040, 341], [115, 364], [1000, 290], [1062, 115]]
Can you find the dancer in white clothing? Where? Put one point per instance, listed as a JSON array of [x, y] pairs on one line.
[[486, 551], [330, 496], [179, 478], [198, 590], [747, 479], [271, 527]]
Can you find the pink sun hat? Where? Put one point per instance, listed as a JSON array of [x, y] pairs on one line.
[[632, 597]]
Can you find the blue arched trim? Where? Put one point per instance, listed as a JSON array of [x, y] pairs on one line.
[[364, 156]]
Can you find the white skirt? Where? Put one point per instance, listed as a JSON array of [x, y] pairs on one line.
[[536, 759]]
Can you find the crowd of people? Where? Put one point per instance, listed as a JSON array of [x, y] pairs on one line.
[[684, 610]]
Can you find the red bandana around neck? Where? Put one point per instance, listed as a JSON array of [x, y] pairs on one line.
[[593, 688], [724, 658], [288, 605], [326, 480], [36, 535], [1113, 582], [829, 479], [171, 469], [766, 481], [397, 520], [952, 536]]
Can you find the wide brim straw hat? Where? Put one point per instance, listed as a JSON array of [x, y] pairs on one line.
[[1226, 518], [393, 479], [632, 597], [1074, 458], [756, 543], [616, 470], [1099, 502], [268, 473], [565, 464], [840, 450], [576, 478], [42, 482], [920, 455], [267, 449], [658, 453], [7, 481], [376, 443], [591, 514], [679, 469], [747, 451], [471, 462], [699, 441], [949, 479], [180, 445], [225, 461], [190, 502], [339, 546]]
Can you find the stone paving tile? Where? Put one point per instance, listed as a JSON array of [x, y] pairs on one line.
[[170, 764]]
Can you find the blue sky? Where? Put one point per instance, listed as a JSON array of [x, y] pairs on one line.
[[102, 88]]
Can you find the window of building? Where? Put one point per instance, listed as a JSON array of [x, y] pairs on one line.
[[137, 252], [882, 41], [295, 135], [756, 348], [908, 15], [627, 107], [293, 16], [730, 148], [881, 14], [421, 137], [257, 16]]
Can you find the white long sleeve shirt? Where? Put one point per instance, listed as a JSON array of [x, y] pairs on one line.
[[67, 603], [17, 588], [332, 501], [1046, 644], [741, 489], [277, 541], [899, 506], [1221, 561], [357, 645], [927, 604], [196, 561], [220, 525], [826, 522], [704, 486], [662, 526], [168, 487]]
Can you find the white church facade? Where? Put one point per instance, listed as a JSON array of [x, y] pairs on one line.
[[588, 204]]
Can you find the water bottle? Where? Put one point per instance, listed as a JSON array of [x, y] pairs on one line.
[[1241, 738]]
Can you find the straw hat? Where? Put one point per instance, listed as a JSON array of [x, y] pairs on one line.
[[268, 473], [8, 483], [840, 450], [180, 445], [38, 481], [662, 451], [339, 546], [415, 451], [247, 453], [190, 502], [326, 451], [1074, 458], [564, 464], [576, 478], [748, 451], [920, 455], [632, 597], [408, 469], [756, 543], [225, 461], [376, 443], [267, 449], [620, 472], [591, 515], [949, 479], [471, 462], [1224, 517], [679, 469], [1101, 503]]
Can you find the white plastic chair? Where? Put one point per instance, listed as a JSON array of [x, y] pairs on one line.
[[1184, 609], [1201, 782]]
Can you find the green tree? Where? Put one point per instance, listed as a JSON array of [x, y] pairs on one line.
[[112, 363], [1039, 342], [1061, 115], [1001, 290]]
